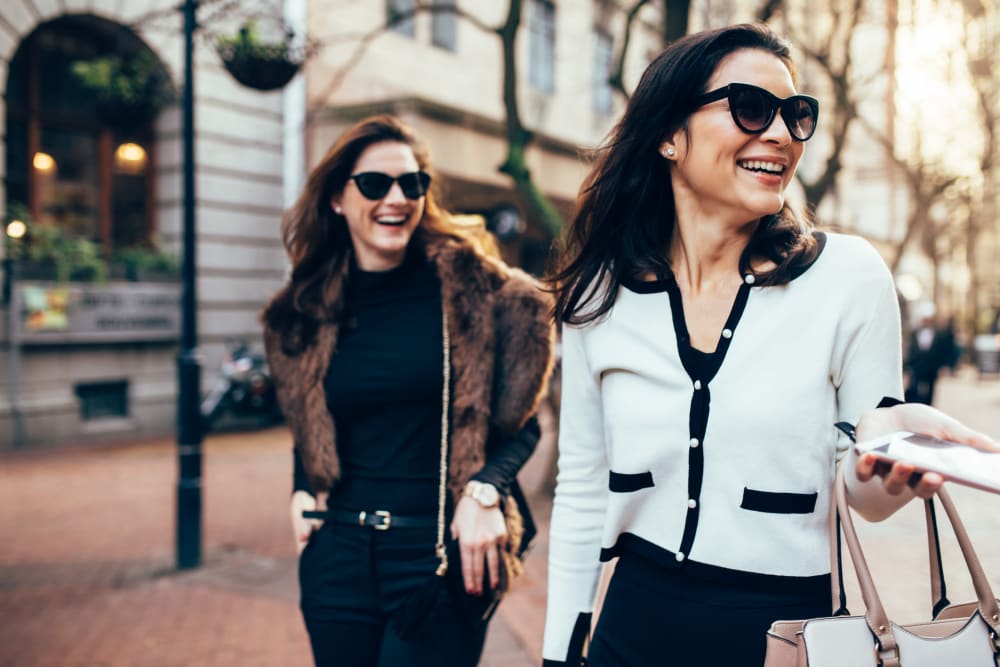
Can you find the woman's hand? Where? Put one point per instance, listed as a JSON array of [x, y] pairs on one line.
[[916, 418], [303, 528], [480, 533]]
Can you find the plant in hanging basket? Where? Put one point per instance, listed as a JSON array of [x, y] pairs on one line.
[[129, 91], [258, 63]]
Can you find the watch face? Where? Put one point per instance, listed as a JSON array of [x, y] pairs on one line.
[[484, 494], [487, 495]]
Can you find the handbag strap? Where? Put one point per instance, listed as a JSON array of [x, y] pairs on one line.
[[939, 591], [878, 621], [439, 547]]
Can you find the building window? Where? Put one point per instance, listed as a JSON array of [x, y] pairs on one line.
[[100, 400], [542, 42], [603, 64], [444, 26], [396, 8], [71, 164]]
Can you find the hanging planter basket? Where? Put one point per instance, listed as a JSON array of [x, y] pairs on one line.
[[258, 64]]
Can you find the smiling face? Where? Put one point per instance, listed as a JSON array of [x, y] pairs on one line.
[[380, 229], [718, 169]]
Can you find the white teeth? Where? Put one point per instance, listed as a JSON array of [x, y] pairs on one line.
[[390, 220], [760, 165]]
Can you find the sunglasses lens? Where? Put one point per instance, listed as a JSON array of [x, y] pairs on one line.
[[751, 108], [414, 185], [800, 116], [376, 185], [373, 185]]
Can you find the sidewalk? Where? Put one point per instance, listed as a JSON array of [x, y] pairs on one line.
[[86, 562], [86, 558]]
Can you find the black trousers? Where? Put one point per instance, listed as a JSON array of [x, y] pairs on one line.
[[652, 616], [353, 578]]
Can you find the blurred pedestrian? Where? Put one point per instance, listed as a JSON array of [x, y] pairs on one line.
[[928, 352], [711, 339], [408, 365]]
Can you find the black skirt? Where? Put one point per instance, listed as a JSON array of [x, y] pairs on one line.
[[654, 616]]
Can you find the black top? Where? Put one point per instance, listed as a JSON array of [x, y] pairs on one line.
[[383, 388]]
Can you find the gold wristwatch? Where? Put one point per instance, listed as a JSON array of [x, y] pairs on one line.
[[484, 494]]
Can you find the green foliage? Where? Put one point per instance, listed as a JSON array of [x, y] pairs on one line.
[[137, 85], [247, 44], [49, 252], [141, 262]]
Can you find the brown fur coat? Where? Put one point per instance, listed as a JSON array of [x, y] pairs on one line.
[[501, 356]]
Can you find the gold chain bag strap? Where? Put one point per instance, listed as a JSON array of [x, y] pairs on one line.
[[413, 613], [439, 547]]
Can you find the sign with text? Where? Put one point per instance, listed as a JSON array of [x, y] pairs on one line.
[[109, 313]]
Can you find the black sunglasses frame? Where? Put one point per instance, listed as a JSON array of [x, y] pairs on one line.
[[787, 106], [413, 184]]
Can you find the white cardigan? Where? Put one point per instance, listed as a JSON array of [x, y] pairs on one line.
[[824, 348]]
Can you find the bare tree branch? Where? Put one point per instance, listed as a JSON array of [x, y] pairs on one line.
[[617, 77], [675, 20], [366, 38], [769, 9]]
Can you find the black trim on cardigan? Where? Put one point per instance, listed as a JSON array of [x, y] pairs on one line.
[[577, 640], [619, 482], [701, 367], [778, 503], [630, 543]]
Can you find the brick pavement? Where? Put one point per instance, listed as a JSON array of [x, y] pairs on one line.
[[86, 576], [86, 561]]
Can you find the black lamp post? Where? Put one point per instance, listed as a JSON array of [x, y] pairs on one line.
[[189, 424], [272, 74], [15, 230]]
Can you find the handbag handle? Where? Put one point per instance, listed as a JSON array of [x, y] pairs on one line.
[[939, 590], [878, 622]]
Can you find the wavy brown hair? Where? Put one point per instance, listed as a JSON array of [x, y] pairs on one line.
[[625, 214], [317, 239]]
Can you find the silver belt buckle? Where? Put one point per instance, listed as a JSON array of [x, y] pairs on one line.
[[386, 520]]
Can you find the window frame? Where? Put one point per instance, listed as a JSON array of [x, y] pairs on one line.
[[542, 46], [444, 27], [31, 114]]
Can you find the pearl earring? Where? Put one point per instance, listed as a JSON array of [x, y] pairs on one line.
[[336, 209], [671, 152]]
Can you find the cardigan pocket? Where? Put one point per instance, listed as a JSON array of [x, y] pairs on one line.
[[778, 503], [627, 483]]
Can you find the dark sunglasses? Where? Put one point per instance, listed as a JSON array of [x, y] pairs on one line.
[[754, 108], [376, 185]]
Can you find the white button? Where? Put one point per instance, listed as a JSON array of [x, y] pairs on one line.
[[727, 333], [697, 385], [749, 279], [679, 557], [692, 503], [693, 442]]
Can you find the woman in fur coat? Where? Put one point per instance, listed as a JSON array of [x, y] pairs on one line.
[[408, 365]]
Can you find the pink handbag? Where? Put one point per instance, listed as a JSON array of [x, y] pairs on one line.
[[966, 635]]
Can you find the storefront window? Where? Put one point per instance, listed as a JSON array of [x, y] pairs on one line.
[[69, 161]]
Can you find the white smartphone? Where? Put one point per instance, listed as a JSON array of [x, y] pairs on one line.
[[953, 461]]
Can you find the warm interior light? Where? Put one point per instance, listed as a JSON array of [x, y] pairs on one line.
[[43, 162], [130, 158], [16, 229]]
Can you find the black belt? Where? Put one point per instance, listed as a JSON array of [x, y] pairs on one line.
[[379, 519]]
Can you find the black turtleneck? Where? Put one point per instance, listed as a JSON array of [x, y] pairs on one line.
[[383, 388]]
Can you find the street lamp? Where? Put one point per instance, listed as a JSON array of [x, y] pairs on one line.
[[15, 231], [189, 419], [189, 427]]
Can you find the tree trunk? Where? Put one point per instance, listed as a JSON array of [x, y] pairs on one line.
[[540, 207]]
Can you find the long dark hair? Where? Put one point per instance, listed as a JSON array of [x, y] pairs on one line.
[[317, 240], [625, 215]]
